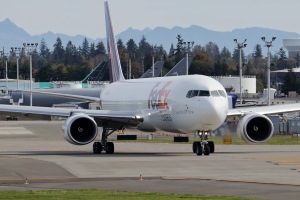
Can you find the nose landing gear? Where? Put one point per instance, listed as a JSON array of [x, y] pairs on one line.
[[203, 146]]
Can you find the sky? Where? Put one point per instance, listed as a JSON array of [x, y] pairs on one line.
[[86, 17]]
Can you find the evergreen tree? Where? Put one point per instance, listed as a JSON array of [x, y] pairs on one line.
[[92, 50], [44, 50], [131, 47], [179, 51], [85, 49], [290, 82], [100, 49], [172, 51], [257, 52], [58, 52], [120, 44], [212, 50], [145, 52], [70, 54], [225, 55], [282, 59]]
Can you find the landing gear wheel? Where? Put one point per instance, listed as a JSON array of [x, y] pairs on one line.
[[198, 149], [110, 148], [211, 145], [194, 147], [206, 150], [97, 147]]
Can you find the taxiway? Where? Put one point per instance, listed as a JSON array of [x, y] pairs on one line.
[[35, 152]]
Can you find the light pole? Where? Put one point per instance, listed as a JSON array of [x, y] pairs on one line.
[[17, 51], [188, 46], [143, 67], [6, 79], [240, 46], [268, 45], [153, 54], [30, 47]]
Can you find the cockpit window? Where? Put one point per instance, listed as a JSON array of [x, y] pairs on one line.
[[188, 95], [204, 93], [215, 93], [222, 93], [194, 93]]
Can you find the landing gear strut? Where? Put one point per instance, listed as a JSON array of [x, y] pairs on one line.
[[108, 147], [203, 147]]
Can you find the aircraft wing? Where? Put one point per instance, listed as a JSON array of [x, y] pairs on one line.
[[265, 110], [120, 117], [71, 96]]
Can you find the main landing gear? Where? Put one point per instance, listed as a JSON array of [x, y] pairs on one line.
[[108, 147], [203, 147]]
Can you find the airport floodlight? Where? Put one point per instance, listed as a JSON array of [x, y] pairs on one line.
[[240, 46], [268, 44], [188, 46], [17, 51], [30, 47]]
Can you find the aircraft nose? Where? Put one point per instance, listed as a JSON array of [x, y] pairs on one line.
[[216, 111]]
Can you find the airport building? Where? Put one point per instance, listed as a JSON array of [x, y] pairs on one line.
[[293, 46], [232, 84]]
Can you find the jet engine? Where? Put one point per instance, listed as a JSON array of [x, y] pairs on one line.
[[255, 128], [80, 129]]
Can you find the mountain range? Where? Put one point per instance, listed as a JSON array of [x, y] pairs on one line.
[[13, 36]]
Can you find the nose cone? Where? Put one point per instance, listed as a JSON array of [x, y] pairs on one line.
[[215, 112]]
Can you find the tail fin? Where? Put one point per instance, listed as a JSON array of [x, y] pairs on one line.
[[116, 69], [157, 70], [180, 68]]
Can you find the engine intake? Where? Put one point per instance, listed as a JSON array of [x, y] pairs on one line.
[[255, 128], [80, 129]]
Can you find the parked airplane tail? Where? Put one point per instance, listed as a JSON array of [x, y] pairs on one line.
[[157, 70], [100, 73], [116, 73], [180, 68]]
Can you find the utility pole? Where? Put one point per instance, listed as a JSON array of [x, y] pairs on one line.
[[268, 45], [188, 46], [30, 47], [240, 46], [17, 51]]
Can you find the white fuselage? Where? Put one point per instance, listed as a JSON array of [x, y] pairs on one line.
[[177, 104]]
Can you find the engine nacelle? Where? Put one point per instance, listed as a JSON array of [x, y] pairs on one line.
[[80, 129], [255, 128]]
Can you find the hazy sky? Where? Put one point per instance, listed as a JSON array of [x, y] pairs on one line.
[[86, 17]]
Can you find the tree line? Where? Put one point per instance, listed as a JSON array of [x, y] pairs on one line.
[[71, 63]]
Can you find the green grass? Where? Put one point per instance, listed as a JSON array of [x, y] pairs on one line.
[[99, 194], [275, 140]]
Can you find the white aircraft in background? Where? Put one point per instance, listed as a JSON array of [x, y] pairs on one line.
[[178, 104]]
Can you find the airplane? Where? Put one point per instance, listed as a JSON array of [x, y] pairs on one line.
[[178, 104], [180, 68], [157, 70]]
